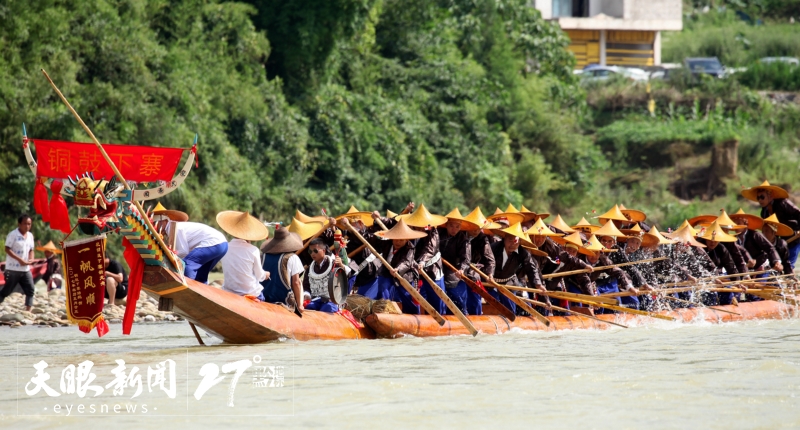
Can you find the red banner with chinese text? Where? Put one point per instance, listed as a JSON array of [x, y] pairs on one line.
[[84, 265], [56, 159]]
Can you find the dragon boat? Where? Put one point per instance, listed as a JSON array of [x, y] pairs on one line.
[[234, 319]]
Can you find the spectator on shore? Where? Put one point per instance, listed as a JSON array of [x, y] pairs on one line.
[[53, 276], [19, 258], [116, 281]]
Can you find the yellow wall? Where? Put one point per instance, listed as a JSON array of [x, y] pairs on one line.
[[585, 45], [623, 48]]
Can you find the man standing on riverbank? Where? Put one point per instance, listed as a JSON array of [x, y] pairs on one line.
[[19, 257]]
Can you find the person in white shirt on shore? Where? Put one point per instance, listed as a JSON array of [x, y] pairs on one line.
[[19, 257], [241, 265]]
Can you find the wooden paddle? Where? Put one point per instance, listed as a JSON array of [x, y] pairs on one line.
[[308, 242], [622, 309], [450, 305], [575, 272], [513, 297], [562, 294], [560, 309], [738, 274], [411, 290], [699, 304], [490, 300]]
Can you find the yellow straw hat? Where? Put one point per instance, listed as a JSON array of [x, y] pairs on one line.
[[654, 237], [561, 225], [594, 245], [540, 229], [575, 240], [305, 229], [390, 214], [685, 235], [242, 225], [476, 218], [50, 246], [525, 216], [609, 230], [612, 214], [772, 220], [715, 233], [583, 224], [685, 224], [726, 223], [423, 218], [354, 215], [510, 217], [516, 231], [465, 223], [173, 215], [305, 218], [777, 192], [632, 214], [753, 222], [633, 232], [703, 220], [540, 215], [401, 231], [532, 248]]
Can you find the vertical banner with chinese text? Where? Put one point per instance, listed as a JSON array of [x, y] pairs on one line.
[[84, 265]]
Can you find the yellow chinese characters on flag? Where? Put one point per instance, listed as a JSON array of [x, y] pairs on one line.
[[84, 266]]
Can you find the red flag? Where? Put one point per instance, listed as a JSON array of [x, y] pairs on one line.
[[136, 264]]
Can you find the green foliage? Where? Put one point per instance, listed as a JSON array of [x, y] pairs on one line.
[[771, 76]]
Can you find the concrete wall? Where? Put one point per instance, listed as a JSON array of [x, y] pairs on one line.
[[654, 9], [545, 7]]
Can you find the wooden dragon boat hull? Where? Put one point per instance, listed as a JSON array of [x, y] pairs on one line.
[[393, 326], [237, 320]]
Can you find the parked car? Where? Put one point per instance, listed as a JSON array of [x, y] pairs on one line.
[[705, 66], [602, 73], [788, 60]]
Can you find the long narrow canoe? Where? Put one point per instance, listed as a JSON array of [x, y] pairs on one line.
[[237, 320], [392, 326]]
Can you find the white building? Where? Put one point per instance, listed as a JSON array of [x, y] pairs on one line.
[[614, 32]]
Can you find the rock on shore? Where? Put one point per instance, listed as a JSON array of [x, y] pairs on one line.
[[49, 310]]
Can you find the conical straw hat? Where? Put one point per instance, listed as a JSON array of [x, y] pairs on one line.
[[654, 237], [633, 214], [753, 222], [173, 215], [390, 214], [583, 224], [476, 219], [305, 218], [465, 223], [609, 230], [782, 229], [242, 225], [634, 231], [540, 229], [685, 235], [423, 218], [716, 234], [50, 246], [561, 225], [401, 231], [704, 220], [516, 231], [612, 214], [686, 225], [526, 216], [305, 229], [573, 239], [726, 223], [283, 241], [777, 192], [532, 248], [540, 215], [592, 246], [354, 215], [510, 217]]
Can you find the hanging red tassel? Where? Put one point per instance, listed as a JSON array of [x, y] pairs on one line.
[[40, 200], [136, 264], [59, 218]]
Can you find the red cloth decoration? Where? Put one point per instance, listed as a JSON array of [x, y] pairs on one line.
[[349, 317], [86, 283], [136, 163], [59, 218], [196, 158], [40, 204], [136, 264]]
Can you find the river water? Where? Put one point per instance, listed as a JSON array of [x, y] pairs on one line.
[[666, 375]]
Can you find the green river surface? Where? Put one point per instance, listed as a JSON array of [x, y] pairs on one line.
[[740, 375]]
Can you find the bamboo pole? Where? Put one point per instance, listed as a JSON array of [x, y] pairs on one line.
[[159, 239], [571, 312], [576, 272], [513, 297], [622, 309], [449, 303], [411, 290], [562, 294]]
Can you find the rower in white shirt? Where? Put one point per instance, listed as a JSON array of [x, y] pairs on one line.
[[242, 263], [201, 247]]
